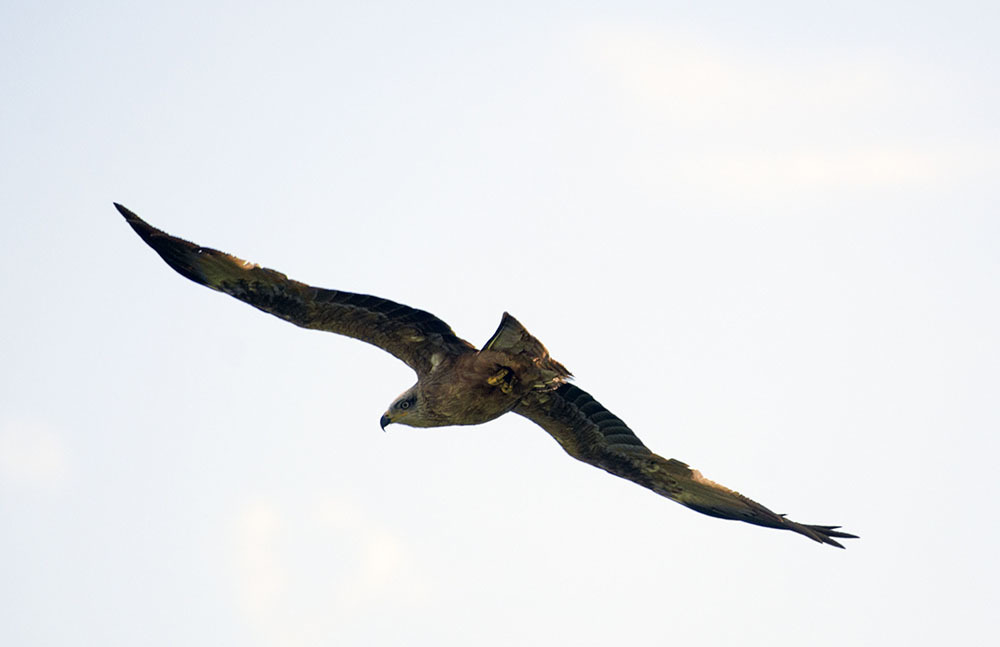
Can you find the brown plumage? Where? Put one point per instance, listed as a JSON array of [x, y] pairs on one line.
[[458, 384]]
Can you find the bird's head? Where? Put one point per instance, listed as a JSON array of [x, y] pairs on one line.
[[407, 409]]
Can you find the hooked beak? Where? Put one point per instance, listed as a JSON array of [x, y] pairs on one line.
[[385, 421]]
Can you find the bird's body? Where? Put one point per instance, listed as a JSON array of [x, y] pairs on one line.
[[477, 386], [460, 384]]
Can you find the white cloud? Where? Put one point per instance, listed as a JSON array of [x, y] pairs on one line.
[[32, 454], [262, 576], [770, 173], [379, 557], [714, 116], [695, 82], [309, 571]]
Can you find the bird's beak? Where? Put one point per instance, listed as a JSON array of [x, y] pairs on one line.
[[385, 421]]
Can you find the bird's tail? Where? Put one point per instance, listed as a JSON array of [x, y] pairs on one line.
[[513, 338]]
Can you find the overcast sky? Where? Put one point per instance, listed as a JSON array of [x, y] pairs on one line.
[[765, 235]]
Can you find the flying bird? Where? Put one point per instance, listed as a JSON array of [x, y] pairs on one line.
[[459, 384]]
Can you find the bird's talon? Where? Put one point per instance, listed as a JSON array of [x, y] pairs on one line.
[[504, 378], [499, 377]]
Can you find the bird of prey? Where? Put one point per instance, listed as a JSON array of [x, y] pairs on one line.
[[459, 384]]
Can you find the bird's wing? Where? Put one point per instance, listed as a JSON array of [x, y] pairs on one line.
[[592, 434], [412, 335]]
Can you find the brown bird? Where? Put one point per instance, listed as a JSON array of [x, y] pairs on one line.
[[458, 384]]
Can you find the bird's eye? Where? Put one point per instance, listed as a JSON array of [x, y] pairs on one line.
[[405, 404]]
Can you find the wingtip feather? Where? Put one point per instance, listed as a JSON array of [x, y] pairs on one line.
[[822, 534], [124, 211], [178, 253]]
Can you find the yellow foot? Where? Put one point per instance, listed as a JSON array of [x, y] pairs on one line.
[[504, 378]]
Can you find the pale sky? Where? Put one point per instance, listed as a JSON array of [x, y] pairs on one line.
[[765, 235]]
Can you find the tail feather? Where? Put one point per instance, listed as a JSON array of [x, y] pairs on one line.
[[513, 338]]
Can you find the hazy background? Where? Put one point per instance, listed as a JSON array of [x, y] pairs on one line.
[[764, 235]]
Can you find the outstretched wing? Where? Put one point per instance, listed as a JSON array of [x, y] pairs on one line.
[[412, 335], [592, 434]]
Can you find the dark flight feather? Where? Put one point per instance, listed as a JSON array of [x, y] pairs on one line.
[[411, 335], [592, 434]]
